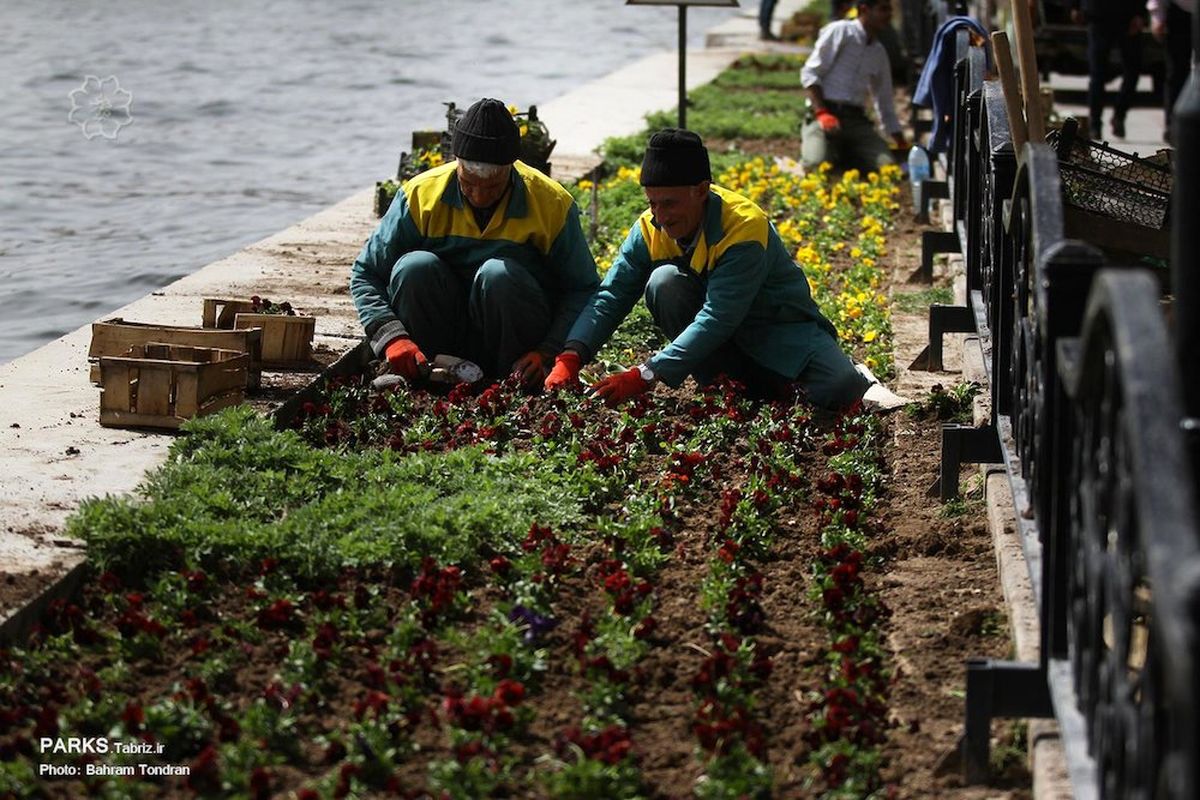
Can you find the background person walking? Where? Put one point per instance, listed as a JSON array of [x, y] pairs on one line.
[[1111, 24], [1171, 23]]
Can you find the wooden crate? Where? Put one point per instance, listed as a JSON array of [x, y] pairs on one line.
[[114, 337], [158, 385], [286, 340]]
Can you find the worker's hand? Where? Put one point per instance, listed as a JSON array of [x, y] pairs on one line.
[[405, 357], [1137, 25], [828, 122], [1159, 29], [565, 372], [616, 389], [531, 367]]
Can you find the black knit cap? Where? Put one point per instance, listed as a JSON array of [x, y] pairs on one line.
[[487, 133], [675, 157]]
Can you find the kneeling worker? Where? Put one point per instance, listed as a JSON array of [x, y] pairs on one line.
[[482, 258], [720, 285], [846, 63]]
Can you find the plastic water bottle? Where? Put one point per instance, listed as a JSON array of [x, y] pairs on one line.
[[918, 171]]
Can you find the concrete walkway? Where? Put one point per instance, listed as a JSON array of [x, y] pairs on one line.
[[55, 452]]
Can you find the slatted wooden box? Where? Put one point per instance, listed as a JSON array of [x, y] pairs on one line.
[[286, 340], [160, 385], [114, 337]]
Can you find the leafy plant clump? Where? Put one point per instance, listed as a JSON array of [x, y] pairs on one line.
[[261, 305], [953, 404]]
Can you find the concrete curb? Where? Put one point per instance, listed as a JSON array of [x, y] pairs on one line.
[[1047, 759]]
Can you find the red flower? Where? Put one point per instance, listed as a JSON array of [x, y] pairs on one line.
[[260, 783], [196, 580], [133, 716], [645, 629], [501, 664], [728, 551], [375, 702], [280, 614], [205, 774], [510, 691]]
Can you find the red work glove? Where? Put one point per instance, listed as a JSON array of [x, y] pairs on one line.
[[405, 357], [616, 389], [828, 122], [531, 367], [565, 372]]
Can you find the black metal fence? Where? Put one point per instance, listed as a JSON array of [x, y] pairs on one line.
[[1088, 417]]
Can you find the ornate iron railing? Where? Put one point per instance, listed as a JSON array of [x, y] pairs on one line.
[[1127, 537], [1087, 416]]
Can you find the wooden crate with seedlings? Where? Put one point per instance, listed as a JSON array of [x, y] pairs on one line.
[[158, 385], [286, 339], [114, 337]]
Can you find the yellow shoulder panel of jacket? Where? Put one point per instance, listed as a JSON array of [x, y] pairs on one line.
[[740, 221], [424, 194], [544, 213]]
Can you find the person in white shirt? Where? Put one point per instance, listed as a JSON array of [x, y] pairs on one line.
[[846, 64], [1171, 23]]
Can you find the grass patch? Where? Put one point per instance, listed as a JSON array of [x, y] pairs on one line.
[[763, 72], [716, 112], [235, 491], [919, 302]]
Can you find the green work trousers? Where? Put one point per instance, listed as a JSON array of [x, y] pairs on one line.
[[491, 314]]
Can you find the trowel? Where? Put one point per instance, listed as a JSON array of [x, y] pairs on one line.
[[443, 369]]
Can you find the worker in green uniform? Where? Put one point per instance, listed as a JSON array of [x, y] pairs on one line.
[[481, 258], [720, 285]]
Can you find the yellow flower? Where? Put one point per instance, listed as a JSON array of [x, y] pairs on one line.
[[870, 335]]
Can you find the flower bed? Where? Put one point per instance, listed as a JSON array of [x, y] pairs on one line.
[[494, 594]]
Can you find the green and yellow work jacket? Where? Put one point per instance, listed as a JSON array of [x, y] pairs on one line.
[[536, 224], [755, 294]]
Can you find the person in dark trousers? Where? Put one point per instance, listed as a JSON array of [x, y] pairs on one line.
[[1111, 24], [766, 10], [1171, 23], [481, 258]]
